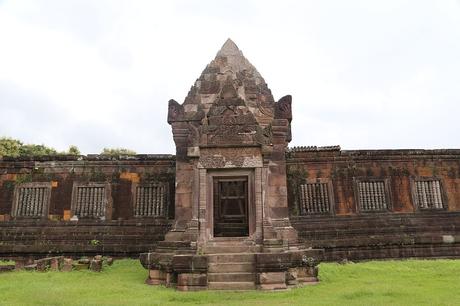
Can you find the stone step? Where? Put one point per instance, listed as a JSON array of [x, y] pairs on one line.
[[231, 267], [229, 258], [231, 286], [235, 248], [231, 277]]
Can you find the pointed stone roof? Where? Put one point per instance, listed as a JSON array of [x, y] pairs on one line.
[[231, 68], [229, 48], [229, 104], [235, 58]]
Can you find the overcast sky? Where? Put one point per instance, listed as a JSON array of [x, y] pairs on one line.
[[363, 74]]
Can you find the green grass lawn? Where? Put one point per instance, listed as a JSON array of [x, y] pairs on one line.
[[410, 282], [6, 262]]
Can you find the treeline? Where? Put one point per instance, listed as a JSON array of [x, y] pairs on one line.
[[15, 148]]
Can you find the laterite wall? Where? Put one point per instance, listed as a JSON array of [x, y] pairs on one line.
[[403, 230], [122, 234], [344, 232]]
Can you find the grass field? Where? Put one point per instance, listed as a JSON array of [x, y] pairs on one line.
[[411, 282]]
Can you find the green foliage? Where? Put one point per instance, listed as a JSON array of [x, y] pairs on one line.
[[407, 282], [10, 147], [73, 150], [24, 178], [117, 151], [15, 148], [36, 150], [95, 242]]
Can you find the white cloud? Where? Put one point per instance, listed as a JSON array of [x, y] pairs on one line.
[[99, 73]]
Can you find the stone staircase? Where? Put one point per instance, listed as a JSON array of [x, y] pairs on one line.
[[231, 265]]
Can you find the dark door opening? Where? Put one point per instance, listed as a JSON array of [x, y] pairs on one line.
[[231, 207]]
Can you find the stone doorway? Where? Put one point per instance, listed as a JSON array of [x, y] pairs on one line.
[[230, 203]]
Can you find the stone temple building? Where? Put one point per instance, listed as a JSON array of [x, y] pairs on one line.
[[235, 207]]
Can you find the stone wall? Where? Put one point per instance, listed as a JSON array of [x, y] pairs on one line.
[[39, 238], [120, 233], [399, 169], [402, 230], [382, 236]]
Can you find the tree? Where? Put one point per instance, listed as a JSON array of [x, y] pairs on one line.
[[14, 148], [10, 147], [117, 151], [36, 150], [73, 150]]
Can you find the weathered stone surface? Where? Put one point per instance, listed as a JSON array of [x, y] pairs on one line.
[[67, 265], [225, 158], [156, 277], [31, 267], [56, 263], [95, 265], [189, 263], [292, 277], [84, 261], [272, 280], [43, 264], [21, 262], [81, 266], [192, 281]]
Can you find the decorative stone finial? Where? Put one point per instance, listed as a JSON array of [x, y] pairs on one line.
[[228, 49]]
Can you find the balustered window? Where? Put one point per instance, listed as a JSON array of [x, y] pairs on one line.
[[372, 195], [315, 197], [151, 200], [91, 200], [428, 194], [31, 200]]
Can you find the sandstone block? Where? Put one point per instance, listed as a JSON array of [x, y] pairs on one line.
[[31, 267], [95, 265], [81, 266], [67, 265], [192, 281]]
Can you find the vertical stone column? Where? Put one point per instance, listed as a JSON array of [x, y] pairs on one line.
[[258, 200], [202, 206], [276, 178], [185, 227], [276, 223]]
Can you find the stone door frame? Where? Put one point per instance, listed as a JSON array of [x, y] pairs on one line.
[[209, 209]]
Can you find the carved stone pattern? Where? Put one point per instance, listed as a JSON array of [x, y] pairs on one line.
[[428, 194], [175, 111], [314, 198], [230, 158], [151, 200], [283, 108], [372, 196], [90, 201], [193, 137], [32, 201], [264, 135], [233, 134]]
